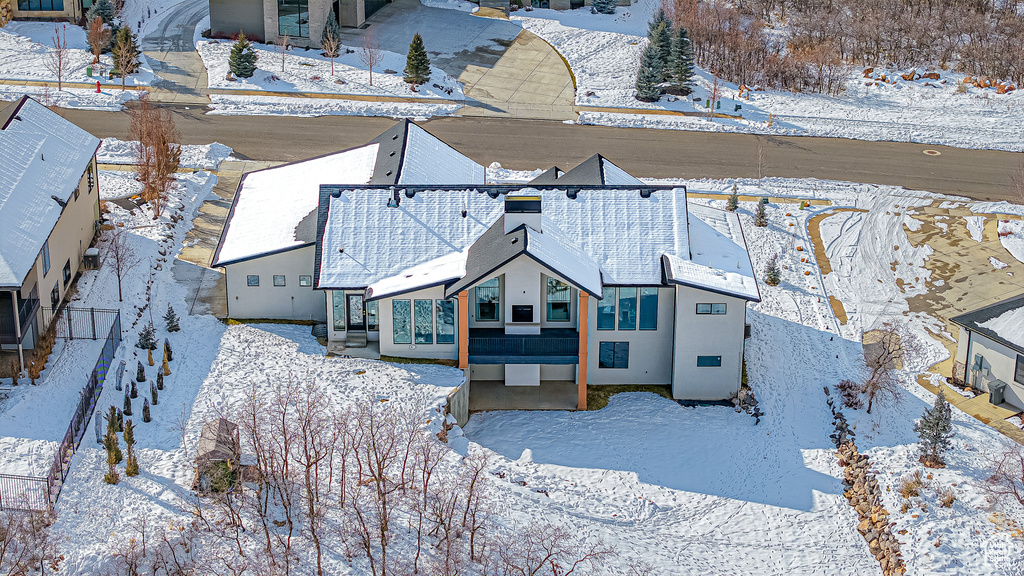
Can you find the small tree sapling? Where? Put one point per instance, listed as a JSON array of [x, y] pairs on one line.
[[147, 337], [417, 63], [772, 274], [760, 217], [127, 405], [140, 375], [145, 410], [935, 431], [734, 199], [242, 61], [171, 319], [132, 465]]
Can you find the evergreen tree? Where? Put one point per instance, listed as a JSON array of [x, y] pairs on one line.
[[772, 274], [417, 64], [147, 337], [935, 430], [153, 393], [127, 404], [658, 19], [649, 76], [160, 379], [140, 375], [131, 467], [604, 6], [242, 60], [682, 67], [103, 9], [662, 38], [145, 410], [125, 40], [331, 31], [112, 429], [171, 319], [734, 199], [760, 217], [113, 457]]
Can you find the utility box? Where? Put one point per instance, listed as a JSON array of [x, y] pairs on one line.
[[91, 261]]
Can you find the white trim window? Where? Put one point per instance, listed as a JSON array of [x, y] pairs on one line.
[[488, 301], [558, 301]]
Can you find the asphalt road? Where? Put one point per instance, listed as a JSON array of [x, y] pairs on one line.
[[530, 144]]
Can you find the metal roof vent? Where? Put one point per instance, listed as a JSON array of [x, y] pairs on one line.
[[571, 193], [409, 193], [645, 193], [395, 199]]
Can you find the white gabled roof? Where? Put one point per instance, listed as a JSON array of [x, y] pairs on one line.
[[271, 203], [42, 159], [564, 256], [718, 256], [428, 160], [433, 273], [1009, 325]]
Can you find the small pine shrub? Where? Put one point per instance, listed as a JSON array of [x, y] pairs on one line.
[[761, 216], [125, 41], [242, 60], [103, 9], [910, 485], [649, 75], [171, 319], [127, 405], [147, 337], [140, 374], [145, 410], [132, 466], [772, 274], [734, 199], [168, 353], [417, 63], [935, 431]]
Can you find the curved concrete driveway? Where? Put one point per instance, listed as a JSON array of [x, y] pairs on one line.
[[171, 53]]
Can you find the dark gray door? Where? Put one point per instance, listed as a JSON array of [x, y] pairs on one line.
[[356, 315], [371, 6]]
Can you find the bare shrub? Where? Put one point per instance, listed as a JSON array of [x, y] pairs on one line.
[[26, 545], [1006, 480], [370, 53], [946, 496], [891, 348], [158, 154], [540, 547], [98, 38], [910, 485], [332, 47]]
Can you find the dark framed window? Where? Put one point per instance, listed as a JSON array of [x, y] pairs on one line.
[[709, 361], [278, 279], [613, 355], [55, 295], [648, 308], [45, 255], [627, 308], [66, 273], [606, 309], [372, 318], [401, 311], [252, 280], [522, 313], [488, 300], [305, 281], [293, 18], [716, 309], [41, 5], [1018, 375], [338, 310], [445, 310], [558, 301], [424, 321]]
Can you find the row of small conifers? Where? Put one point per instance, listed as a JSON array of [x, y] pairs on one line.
[[864, 495]]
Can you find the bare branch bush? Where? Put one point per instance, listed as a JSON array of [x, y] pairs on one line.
[[158, 153], [1006, 481], [889, 350], [370, 53], [26, 544], [99, 37], [122, 255], [57, 59], [542, 548]]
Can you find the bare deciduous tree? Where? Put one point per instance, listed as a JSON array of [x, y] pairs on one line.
[[541, 547], [332, 47], [158, 153], [1007, 478], [886, 351], [57, 59], [370, 53], [123, 256], [99, 37], [25, 542], [284, 49]]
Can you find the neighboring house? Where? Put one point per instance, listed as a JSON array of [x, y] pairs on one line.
[[71, 10], [269, 239], [535, 291], [302, 21], [49, 208], [990, 351]]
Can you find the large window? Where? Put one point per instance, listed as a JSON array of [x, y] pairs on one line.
[[1018, 375], [716, 309], [293, 18], [424, 321], [445, 321], [488, 300], [338, 305], [709, 361], [41, 5], [371, 316], [402, 312], [66, 273], [558, 301], [648, 308], [627, 308], [613, 355], [45, 255], [606, 310], [55, 296]]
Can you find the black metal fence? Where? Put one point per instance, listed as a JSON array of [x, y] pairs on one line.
[[41, 493], [70, 323]]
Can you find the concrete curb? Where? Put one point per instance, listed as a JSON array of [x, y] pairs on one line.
[[329, 96], [88, 85], [656, 112]]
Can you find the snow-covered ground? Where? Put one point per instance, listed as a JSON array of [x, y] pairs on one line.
[[205, 156], [687, 490], [309, 107], [604, 52]]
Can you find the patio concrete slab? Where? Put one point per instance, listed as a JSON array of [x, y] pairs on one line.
[[494, 395]]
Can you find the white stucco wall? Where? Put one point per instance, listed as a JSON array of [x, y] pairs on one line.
[[650, 351], [1001, 363], [435, 350], [707, 335], [523, 281], [288, 302]]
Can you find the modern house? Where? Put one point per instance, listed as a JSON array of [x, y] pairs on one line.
[[49, 210], [302, 21], [584, 277], [70, 10], [990, 351]]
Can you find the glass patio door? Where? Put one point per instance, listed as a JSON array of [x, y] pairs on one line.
[[356, 313]]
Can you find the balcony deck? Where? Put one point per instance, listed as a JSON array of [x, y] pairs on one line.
[[551, 346]]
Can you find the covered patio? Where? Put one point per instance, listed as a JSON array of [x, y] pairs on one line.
[[550, 395]]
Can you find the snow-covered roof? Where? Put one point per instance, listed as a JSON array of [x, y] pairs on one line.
[[1009, 325], [271, 203], [1002, 322], [364, 241], [433, 273], [42, 160], [718, 256], [276, 208]]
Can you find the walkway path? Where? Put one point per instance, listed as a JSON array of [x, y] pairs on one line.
[[172, 54]]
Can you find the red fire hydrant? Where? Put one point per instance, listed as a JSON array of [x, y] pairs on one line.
[[97, 86]]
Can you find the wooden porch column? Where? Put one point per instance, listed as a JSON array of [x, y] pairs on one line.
[[463, 311], [581, 370]]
